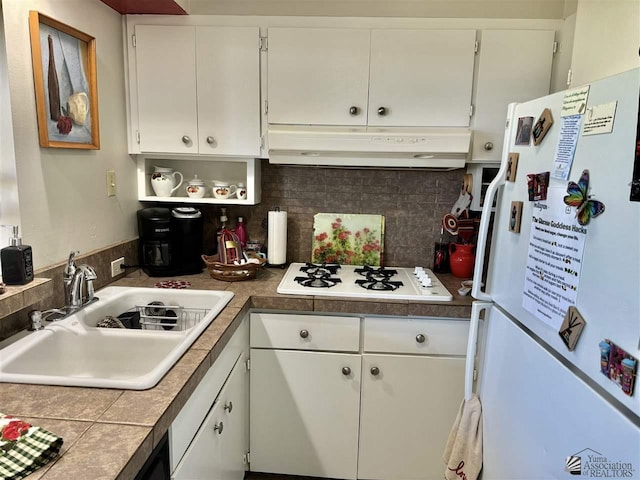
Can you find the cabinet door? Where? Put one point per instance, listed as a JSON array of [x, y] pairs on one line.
[[316, 75], [406, 415], [514, 66], [218, 449], [228, 81], [421, 77], [166, 72], [304, 413]]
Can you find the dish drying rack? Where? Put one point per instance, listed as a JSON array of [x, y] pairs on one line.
[[157, 316]]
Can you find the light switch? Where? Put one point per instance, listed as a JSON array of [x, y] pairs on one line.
[[111, 183]]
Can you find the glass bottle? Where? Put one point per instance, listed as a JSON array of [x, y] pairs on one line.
[[54, 88], [241, 232]]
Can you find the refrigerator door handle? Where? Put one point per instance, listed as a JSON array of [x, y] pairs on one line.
[[472, 346], [485, 220]]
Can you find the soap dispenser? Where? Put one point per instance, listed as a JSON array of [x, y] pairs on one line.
[[17, 260]]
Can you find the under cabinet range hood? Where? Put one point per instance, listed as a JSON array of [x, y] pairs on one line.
[[441, 148]]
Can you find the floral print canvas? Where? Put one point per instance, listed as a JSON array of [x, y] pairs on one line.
[[348, 239]]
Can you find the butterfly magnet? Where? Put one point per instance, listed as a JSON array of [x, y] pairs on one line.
[[578, 196]]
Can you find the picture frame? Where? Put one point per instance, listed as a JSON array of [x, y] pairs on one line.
[[66, 86]]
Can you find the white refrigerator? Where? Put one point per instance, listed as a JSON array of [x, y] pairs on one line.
[[550, 412]]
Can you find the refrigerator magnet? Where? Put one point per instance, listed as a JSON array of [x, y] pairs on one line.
[[571, 328], [542, 126], [618, 365], [523, 133], [537, 184], [512, 166], [515, 217]]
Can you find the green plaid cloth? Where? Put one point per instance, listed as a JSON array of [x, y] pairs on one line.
[[24, 448]]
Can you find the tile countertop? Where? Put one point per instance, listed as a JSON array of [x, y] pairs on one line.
[[108, 434]]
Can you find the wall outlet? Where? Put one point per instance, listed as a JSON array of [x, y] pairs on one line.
[[116, 267]]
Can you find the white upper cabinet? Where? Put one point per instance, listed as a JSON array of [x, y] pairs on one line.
[[514, 66], [166, 72], [326, 76], [198, 89], [421, 77], [318, 76]]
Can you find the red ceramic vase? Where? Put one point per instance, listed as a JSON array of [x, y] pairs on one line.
[[462, 258]]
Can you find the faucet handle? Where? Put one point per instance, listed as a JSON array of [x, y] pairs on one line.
[[71, 263]]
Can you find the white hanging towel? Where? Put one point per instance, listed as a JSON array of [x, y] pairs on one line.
[[463, 453]]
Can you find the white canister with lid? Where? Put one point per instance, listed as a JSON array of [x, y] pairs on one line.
[[196, 188]]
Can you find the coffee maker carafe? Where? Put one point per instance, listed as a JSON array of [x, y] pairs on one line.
[[170, 241]]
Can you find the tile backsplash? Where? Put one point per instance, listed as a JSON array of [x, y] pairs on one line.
[[412, 202]]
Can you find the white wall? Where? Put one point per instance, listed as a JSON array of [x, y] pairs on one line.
[[607, 39], [9, 208], [62, 192]]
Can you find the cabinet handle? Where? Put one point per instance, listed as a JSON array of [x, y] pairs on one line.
[[186, 140], [353, 111], [218, 428], [228, 406], [211, 140], [304, 333], [375, 371], [420, 338], [488, 146], [346, 371], [382, 111]]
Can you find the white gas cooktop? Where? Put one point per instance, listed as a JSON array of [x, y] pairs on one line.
[[392, 283]]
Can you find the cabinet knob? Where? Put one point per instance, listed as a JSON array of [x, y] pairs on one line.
[[346, 371], [382, 111], [353, 111], [375, 371], [211, 140], [186, 140], [488, 146], [218, 428], [228, 406], [420, 338], [304, 333]]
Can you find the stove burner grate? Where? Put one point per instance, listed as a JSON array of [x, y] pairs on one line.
[[380, 285], [379, 273], [323, 268], [317, 281]]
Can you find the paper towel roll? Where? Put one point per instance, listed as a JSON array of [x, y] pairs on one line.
[[277, 237]]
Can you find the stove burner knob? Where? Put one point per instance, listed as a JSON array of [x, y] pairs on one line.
[[375, 371], [346, 371], [304, 333], [420, 338]]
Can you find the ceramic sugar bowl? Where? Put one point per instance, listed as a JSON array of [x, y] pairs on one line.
[[164, 182], [196, 188]]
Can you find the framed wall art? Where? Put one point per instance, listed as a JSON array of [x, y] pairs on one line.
[[66, 87]]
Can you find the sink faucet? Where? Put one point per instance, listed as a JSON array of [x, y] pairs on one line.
[[78, 279]]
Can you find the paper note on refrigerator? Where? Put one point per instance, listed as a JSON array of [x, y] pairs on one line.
[[574, 101], [554, 259], [566, 149], [599, 119]]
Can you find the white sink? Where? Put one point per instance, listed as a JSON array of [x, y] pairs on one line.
[[74, 352]]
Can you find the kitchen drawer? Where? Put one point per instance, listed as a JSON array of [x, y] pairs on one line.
[[305, 332], [394, 335]]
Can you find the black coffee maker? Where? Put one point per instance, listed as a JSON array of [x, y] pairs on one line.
[[170, 241]]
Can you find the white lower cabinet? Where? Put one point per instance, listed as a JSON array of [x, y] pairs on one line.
[[218, 449], [208, 440], [409, 404], [377, 408], [304, 413]]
